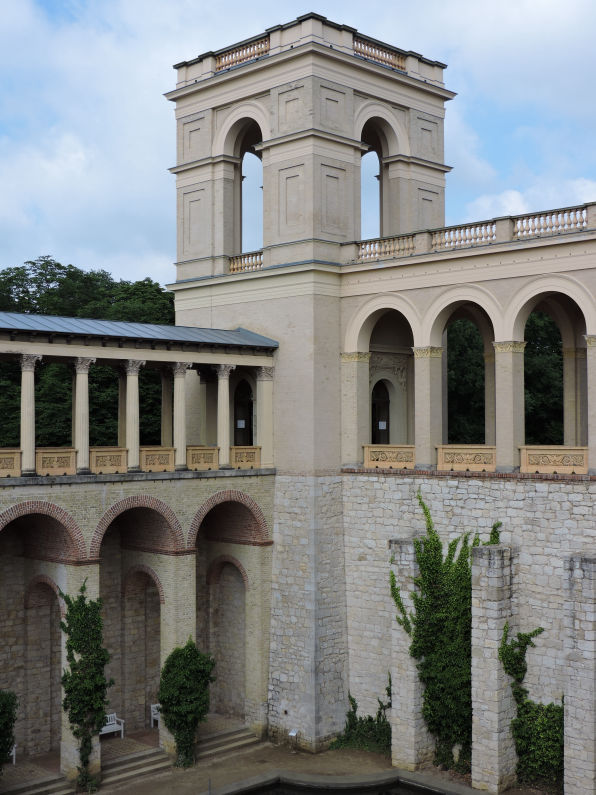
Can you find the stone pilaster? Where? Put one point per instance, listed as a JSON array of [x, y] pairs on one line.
[[509, 403], [81, 413], [493, 707], [180, 369], [167, 408], [28, 362], [223, 413], [265, 414], [591, 392], [411, 742], [489, 397], [355, 406], [132, 368], [580, 698], [428, 377]]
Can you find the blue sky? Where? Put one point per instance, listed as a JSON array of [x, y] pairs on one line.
[[86, 136]]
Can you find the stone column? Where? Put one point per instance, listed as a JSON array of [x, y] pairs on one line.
[[28, 361], [179, 369], [223, 413], [355, 407], [265, 414], [591, 408], [81, 413], [203, 436], [570, 405], [122, 409], [411, 742], [493, 707], [167, 439], [580, 701], [509, 403], [489, 397], [581, 400], [428, 375], [132, 368]]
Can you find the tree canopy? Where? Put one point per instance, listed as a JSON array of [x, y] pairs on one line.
[[46, 287]]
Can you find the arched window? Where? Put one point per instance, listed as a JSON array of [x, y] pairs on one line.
[[243, 414], [248, 193], [370, 200], [380, 414]]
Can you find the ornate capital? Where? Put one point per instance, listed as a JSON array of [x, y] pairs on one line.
[[265, 373], [179, 369], [355, 356], [132, 366], [223, 370], [82, 364], [590, 340], [510, 346], [28, 361], [428, 352]]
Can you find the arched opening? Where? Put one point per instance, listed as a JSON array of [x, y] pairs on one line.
[[248, 187], [373, 188], [391, 379], [243, 414], [380, 414], [466, 411]]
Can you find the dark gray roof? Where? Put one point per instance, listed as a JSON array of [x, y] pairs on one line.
[[87, 327]]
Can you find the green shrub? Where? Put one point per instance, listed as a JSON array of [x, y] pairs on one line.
[[184, 696], [8, 716], [367, 733]]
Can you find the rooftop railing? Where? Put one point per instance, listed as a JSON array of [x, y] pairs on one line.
[[375, 52], [242, 54]]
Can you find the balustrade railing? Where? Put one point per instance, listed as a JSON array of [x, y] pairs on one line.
[[385, 248], [55, 461], [389, 456], [242, 54], [555, 459], [245, 457], [202, 457], [156, 459], [552, 222], [252, 261], [376, 52], [10, 463], [463, 236], [467, 457], [108, 460]]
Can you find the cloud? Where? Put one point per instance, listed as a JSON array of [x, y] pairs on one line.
[[543, 195]]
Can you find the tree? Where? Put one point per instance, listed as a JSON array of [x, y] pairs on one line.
[[84, 682], [8, 716], [184, 696], [465, 362]]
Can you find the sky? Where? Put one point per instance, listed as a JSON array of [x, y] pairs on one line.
[[86, 136]]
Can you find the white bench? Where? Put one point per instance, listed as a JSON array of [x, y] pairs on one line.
[[13, 753], [113, 725], [155, 708]]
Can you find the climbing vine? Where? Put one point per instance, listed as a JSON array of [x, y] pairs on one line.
[[8, 716], [84, 682], [440, 628], [367, 733], [184, 696], [538, 728]]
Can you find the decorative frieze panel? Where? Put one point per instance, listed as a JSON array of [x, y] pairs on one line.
[[555, 459], [389, 456], [157, 459], [10, 463], [245, 457], [466, 457], [55, 461], [108, 460], [202, 457], [395, 364]]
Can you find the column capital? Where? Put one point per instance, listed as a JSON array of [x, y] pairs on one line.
[[82, 364], [509, 346], [133, 366], [223, 370], [179, 368], [428, 352], [29, 360], [355, 356], [590, 340], [265, 373]]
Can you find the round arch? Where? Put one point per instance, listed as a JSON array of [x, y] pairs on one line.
[[32, 507], [139, 501], [440, 310], [395, 133], [220, 497], [217, 565], [43, 579], [362, 322], [225, 141], [141, 568]]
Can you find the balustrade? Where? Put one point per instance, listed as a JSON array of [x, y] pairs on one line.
[[555, 459], [373, 51], [467, 457], [55, 461], [108, 460], [252, 261], [202, 457], [245, 457], [157, 459], [389, 456], [242, 54]]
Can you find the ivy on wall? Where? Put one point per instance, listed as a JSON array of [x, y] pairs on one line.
[[440, 628], [84, 682], [367, 733], [8, 716], [538, 728]]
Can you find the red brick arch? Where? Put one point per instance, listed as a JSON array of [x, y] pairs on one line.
[[260, 532], [217, 565], [139, 501], [141, 568], [32, 507], [42, 579]]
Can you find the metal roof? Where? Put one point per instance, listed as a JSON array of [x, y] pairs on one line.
[[119, 329]]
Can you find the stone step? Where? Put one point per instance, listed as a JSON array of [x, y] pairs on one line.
[[227, 746], [135, 769], [218, 738], [52, 785], [136, 758]]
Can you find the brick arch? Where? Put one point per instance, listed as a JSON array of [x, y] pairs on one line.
[[138, 501], [217, 565], [230, 495], [142, 569], [32, 507], [42, 579]]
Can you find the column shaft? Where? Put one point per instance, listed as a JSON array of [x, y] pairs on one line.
[[265, 414], [428, 378], [570, 405], [28, 412], [81, 424], [591, 409], [179, 369], [509, 403], [223, 413], [122, 409], [167, 438], [355, 406], [132, 414], [489, 397]]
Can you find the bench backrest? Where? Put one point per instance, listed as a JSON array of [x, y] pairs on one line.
[[110, 718]]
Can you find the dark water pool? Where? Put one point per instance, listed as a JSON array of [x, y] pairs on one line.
[[309, 785]]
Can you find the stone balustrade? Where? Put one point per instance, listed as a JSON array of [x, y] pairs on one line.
[[55, 460], [252, 261], [108, 460], [244, 457], [467, 457], [554, 459], [157, 459], [202, 457], [242, 53], [10, 463], [374, 51], [389, 456]]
